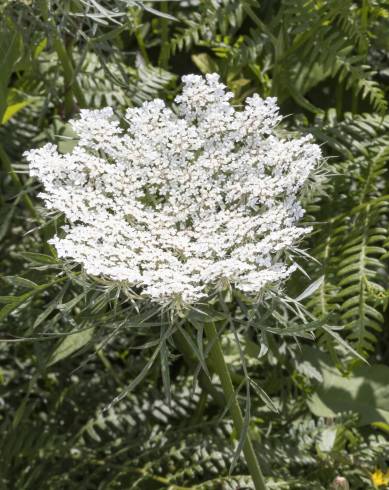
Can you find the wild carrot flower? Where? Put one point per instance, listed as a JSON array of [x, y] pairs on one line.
[[184, 200]]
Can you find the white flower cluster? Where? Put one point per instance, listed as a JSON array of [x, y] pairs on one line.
[[182, 201]]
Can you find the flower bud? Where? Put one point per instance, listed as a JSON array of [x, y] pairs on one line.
[[340, 483]]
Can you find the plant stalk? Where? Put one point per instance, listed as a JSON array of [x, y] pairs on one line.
[[164, 54], [72, 88], [71, 84], [220, 367], [139, 38]]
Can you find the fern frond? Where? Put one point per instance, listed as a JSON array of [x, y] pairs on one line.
[[359, 78], [353, 243], [361, 279]]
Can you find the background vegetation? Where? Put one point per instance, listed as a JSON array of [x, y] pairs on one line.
[[68, 348]]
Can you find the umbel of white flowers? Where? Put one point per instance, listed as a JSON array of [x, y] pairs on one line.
[[183, 201]]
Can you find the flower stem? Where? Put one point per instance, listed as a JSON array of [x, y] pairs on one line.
[[164, 54], [72, 88], [220, 368], [139, 38]]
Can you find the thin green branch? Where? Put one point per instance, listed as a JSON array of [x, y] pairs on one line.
[[139, 37], [72, 88], [164, 54], [221, 369]]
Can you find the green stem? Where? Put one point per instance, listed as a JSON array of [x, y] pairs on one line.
[[72, 88], [363, 47], [339, 92], [68, 69], [221, 369], [139, 38], [198, 414], [164, 54], [257, 21], [354, 103], [67, 74]]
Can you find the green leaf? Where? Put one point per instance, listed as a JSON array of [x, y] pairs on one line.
[[12, 109], [204, 313], [365, 391], [311, 289], [11, 48], [7, 212], [41, 46], [67, 138], [70, 344], [39, 258], [231, 350], [13, 302], [382, 426], [328, 438], [20, 281], [205, 63], [158, 13]]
